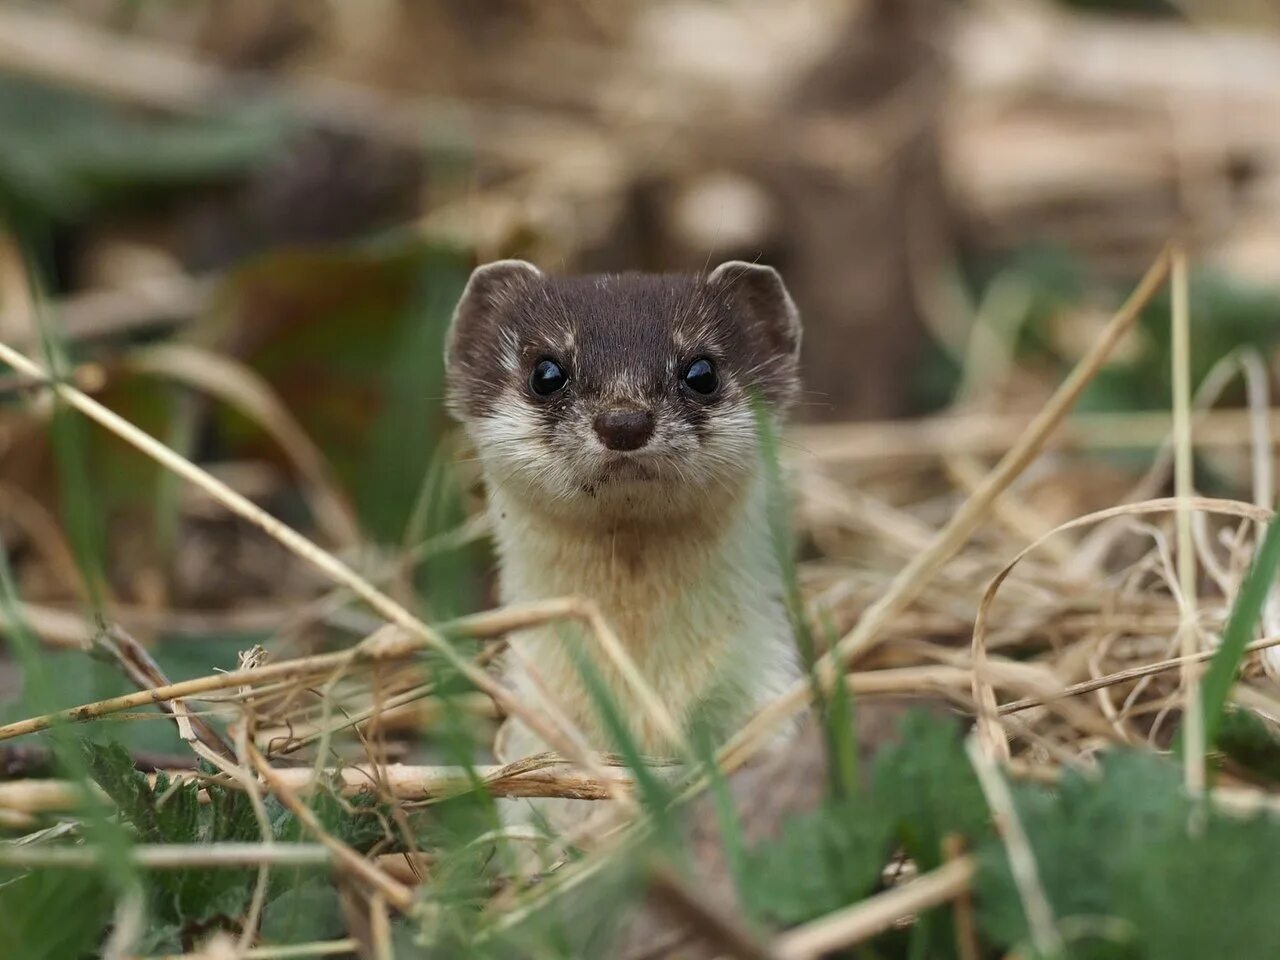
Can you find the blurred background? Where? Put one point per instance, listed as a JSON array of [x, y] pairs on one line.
[[243, 224]]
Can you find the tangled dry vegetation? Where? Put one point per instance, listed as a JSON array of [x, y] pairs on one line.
[[1088, 634], [1000, 563]]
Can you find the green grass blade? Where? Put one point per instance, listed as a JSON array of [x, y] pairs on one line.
[[1241, 627], [835, 711], [654, 795]]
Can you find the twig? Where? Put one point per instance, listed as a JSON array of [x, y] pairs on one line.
[[1192, 718], [324, 561], [1022, 861], [915, 576], [1120, 676], [396, 893], [139, 666], [410, 784], [988, 714], [415, 783], [862, 921], [168, 856]]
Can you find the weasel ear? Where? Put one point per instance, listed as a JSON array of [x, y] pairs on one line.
[[489, 292], [761, 298]]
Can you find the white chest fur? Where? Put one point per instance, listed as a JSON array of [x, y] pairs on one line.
[[698, 605]]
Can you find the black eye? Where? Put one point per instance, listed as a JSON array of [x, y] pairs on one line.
[[547, 378], [701, 377]]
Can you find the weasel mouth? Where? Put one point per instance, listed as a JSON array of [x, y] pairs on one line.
[[624, 468]]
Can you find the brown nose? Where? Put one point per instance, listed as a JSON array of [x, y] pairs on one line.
[[624, 429]]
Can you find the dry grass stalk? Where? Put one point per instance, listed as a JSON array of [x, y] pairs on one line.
[[913, 578], [862, 921], [417, 783], [169, 856], [1022, 863], [966, 924], [875, 443], [43, 796], [988, 711], [1188, 637], [142, 669], [1121, 676], [326, 562], [396, 893]]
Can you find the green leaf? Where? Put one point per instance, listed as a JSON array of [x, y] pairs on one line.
[[820, 862], [922, 789], [112, 769], [305, 911], [1251, 743], [359, 822], [1083, 839], [53, 914], [925, 782], [1207, 892], [1132, 868], [160, 939], [168, 814], [66, 153]]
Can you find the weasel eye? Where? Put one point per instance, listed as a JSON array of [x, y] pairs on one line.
[[701, 377], [547, 378]]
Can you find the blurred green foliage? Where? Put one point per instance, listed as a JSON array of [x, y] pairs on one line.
[[1228, 315], [1162, 8], [66, 155], [301, 904]]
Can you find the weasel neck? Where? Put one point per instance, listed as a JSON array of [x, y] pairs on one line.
[[697, 604]]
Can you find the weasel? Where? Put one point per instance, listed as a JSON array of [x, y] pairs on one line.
[[614, 421]]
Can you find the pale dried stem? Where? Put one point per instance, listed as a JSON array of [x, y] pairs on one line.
[[1022, 862], [860, 922], [1121, 676], [877, 443], [324, 561], [916, 575], [169, 856], [396, 893], [1188, 636], [988, 713]]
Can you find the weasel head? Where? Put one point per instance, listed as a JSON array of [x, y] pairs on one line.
[[621, 397]]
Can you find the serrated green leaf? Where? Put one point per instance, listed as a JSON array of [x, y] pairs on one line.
[[1082, 837], [304, 911], [1205, 892], [111, 767], [174, 814], [53, 914], [925, 782], [1132, 869], [358, 822], [160, 939], [819, 863]]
